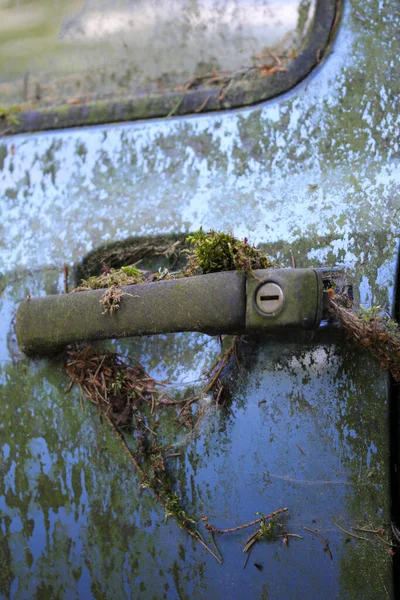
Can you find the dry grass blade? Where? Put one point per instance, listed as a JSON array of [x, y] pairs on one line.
[[164, 501], [373, 331], [264, 518], [121, 393], [252, 540], [349, 533], [116, 388], [324, 542], [376, 533], [216, 370]]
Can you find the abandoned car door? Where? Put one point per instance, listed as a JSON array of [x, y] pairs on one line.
[[298, 156]]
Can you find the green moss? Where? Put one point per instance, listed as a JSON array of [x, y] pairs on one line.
[[210, 252], [173, 508], [214, 252], [8, 114], [3, 155], [81, 150], [11, 194], [267, 531], [99, 112]]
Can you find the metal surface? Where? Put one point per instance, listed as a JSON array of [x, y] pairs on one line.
[[302, 301], [212, 304], [269, 298], [314, 177], [218, 303]]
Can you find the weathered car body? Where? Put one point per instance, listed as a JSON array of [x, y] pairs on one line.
[[312, 175]]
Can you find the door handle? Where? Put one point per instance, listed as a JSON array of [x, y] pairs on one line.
[[230, 302]]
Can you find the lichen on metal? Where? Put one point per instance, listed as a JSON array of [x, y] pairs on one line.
[[215, 303], [212, 304], [313, 176]]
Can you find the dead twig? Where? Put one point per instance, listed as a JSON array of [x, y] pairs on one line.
[[225, 90], [353, 535], [247, 559], [293, 535], [377, 533], [252, 540], [194, 534], [325, 542], [221, 363], [373, 531], [240, 527], [384, 541], [65, 277], [300, 450], [202, 105]]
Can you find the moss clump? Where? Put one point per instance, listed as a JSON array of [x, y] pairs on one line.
[[173, 508], [267, 531], [215, 251], [165, 249], [8, 114], [110, 278], [212, 252]]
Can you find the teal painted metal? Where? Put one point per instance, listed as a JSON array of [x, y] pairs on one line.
[[313, 175]]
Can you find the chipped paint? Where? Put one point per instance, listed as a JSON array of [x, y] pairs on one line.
[[315, 171]]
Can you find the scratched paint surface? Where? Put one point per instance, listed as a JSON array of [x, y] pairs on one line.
[[315, 172]]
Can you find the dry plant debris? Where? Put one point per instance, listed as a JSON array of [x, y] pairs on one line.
[[118, 390], [128, 275], [268, 530], [265, 64], [111, 299], [372, 329], [321, 539], [373, 534], [128, 398], [224, 361], [211, 252]]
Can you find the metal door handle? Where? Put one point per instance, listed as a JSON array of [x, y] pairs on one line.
[[229, 302]]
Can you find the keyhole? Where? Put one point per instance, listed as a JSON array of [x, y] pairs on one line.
[[269, 298]]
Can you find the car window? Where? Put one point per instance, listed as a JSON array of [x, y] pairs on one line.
[[78, 48], [122, 60]]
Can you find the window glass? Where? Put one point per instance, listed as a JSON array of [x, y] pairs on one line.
[[55, 52]]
